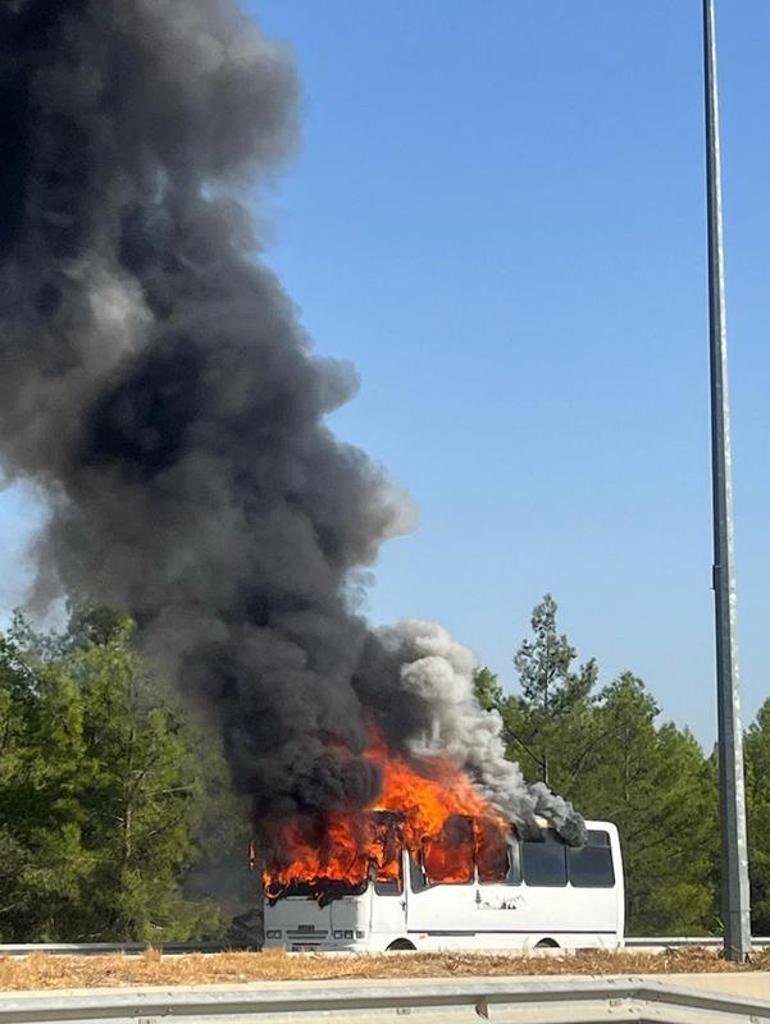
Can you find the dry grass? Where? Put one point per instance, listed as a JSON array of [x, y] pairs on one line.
[[42, 971]]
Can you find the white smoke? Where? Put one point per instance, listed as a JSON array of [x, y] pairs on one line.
[[439, 670]]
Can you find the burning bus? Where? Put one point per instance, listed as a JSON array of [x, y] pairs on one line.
[[435, 865], [518, 894]]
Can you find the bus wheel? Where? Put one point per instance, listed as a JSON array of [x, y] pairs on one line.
[[547, 944], [400, 944]]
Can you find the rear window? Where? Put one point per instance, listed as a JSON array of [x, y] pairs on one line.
[[590, 866], [545, 861]]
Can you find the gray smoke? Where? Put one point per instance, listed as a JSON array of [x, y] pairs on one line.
[[157, 387], [435, 673]]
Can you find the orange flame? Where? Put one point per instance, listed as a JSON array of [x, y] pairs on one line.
[[436, 813]]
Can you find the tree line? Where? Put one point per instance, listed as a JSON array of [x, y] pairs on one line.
[[606, 749], [107, 791], [117, 823]]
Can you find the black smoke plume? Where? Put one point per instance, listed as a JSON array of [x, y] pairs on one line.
[[157, 387]]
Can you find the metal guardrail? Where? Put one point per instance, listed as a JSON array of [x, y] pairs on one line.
[[177, 948], [551, 1001], [672, 941], [683, 941], [105, 948]]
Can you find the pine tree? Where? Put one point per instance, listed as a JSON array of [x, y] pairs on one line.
[[487, 689], [549, 726], [757, 755], [40, 815], [101, 791], [655, 784]]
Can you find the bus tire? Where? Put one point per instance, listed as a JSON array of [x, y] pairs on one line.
[[547, 944], [400, 944]]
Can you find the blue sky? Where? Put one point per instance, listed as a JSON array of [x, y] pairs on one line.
[[497, 214]]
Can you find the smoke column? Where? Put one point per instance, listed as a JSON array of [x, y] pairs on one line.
[[156, 385]]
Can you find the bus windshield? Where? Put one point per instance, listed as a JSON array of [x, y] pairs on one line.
[[324, 890]]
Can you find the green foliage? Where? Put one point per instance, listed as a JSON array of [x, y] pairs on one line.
[[488, 691], [548, 726], [607, 753], [757, 753], [655, 784], [101, 791]]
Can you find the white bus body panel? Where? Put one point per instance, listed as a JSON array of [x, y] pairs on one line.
[[472, 916]]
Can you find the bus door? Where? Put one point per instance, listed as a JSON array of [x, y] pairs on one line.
[[440, 901], [388, 906]]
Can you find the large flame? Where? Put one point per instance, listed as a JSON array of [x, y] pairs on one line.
[[433, 810]]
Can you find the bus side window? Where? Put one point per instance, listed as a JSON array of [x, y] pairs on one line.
[[590, 866], [545, 862], [388, 887], [500, 866], [417, 879], [514, 864], [448, 858]]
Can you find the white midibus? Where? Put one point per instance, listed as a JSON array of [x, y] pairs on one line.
[[547, 894]]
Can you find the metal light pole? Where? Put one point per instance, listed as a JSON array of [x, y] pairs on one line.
[[735, 874]]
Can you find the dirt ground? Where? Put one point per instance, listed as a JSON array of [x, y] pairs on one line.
[[42, 971]]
